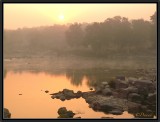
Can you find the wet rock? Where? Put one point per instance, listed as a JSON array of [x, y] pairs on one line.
[[134, 97], [62, 98], [116, 112], [7, 114], [79, 94], [46, 91], [63, 113], [62, 110], [107, 91], [66, 95]]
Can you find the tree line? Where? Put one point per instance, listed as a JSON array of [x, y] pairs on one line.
[[114, 36]]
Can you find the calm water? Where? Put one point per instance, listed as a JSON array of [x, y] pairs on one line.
[[32, 76], [35, 103]]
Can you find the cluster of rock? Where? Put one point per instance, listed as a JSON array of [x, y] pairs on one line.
[[7, 114], [121, 94]]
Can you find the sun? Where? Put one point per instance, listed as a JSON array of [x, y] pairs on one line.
[[61, 17]]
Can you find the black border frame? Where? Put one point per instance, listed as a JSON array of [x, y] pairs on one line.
[[76, 2]]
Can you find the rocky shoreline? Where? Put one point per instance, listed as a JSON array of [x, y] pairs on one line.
[[135, 95]]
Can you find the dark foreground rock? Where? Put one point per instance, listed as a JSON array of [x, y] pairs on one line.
[[7, 114], [64, 113]]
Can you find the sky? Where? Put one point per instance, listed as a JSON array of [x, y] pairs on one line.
[[35, 15]]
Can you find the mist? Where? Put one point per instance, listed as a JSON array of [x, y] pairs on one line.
[[116, 42]]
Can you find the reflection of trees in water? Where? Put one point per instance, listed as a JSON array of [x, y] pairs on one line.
[[75, 77], [93, 76]]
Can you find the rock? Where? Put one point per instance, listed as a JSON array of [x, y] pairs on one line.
[[63, 113], [120, 77], [143, 83], [131, 89], [123, 93], [104, 83], [152, 98], [91, 89], [46, 91], [20, 94], [77, 117], [133, 107], [107, 91], [119, 84], [131, 80], [107, 86], [68, 93], [134, 97], [62, 98], [62, 110], [116, 112], [70, 114], [103, 103], [7, 114], [98, 90]]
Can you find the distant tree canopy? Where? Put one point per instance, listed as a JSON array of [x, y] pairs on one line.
[[116, 34], [113, 36]]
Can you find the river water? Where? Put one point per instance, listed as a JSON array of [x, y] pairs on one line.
[[25, 83]]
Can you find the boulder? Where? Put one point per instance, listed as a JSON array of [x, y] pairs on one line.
[[134, 97], [7, 114], [107, 91], [142, 83], [62, 110], [123, 93], [63, 113]]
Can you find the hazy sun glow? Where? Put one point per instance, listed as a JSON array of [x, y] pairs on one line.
[[33, 15], [61, 17]]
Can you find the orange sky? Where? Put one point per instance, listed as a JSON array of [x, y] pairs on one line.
[[32, 15]]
